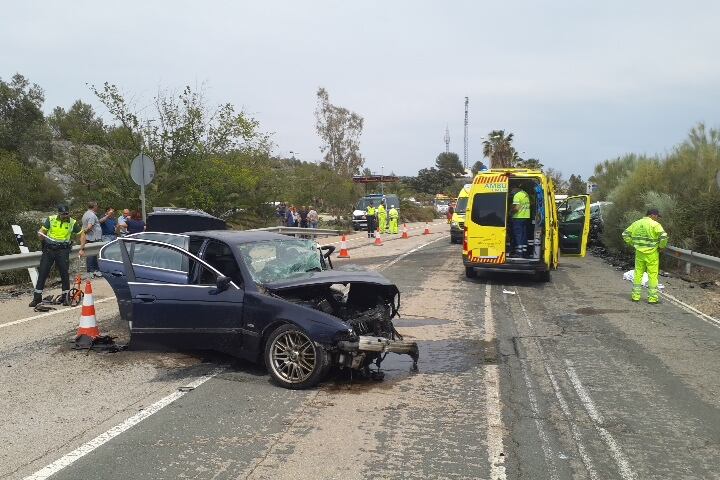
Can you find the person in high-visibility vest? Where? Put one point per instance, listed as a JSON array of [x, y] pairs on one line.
[[393, 214], [520, 217], [56, 235], [382, 217], [370, 216], [647, 236]]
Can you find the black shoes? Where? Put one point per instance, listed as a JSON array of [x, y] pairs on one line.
[[37, 300]]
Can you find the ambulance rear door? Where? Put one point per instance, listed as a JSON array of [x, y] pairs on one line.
[[486, 219]]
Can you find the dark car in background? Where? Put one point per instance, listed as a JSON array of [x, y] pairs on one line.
[[261, 296]]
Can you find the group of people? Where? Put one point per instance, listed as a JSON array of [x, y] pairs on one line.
[[303, 217], [380, 219], [56, 235]]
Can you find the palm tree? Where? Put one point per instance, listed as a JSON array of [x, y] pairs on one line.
[[498, 148]]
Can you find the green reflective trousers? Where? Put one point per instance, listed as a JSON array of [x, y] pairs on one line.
[[382, 222], [650, 263]]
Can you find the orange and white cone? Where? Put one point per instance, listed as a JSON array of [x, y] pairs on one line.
[[378, 240], [405, 231], [88, 324], [427, 229], [343, 248]]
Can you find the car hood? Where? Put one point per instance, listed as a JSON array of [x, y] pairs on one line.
[[329, 277], [357, 213]]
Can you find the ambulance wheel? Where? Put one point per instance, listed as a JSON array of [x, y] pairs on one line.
[[542, 277], [470, 272]]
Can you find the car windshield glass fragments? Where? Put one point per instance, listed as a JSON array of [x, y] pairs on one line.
[[276, 260], [461, 205], [488, 209]]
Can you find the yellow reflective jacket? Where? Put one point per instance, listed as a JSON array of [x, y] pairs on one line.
[[645, 235], [370, 211], [393, 213], [60, 231]]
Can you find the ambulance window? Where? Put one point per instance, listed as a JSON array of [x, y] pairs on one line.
[[488, 209], [461, 205]]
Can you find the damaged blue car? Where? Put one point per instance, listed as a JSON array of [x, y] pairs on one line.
[[261, 296]]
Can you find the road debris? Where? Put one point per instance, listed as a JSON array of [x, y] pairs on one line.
[[509, 292], [630, 275]]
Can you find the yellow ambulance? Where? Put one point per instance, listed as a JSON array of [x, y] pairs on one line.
[[488, 243], [457, 222]]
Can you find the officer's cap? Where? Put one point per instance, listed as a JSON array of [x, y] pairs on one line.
[[63, 209], [653, 211]]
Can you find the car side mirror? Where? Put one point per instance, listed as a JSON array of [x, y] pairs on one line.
[[223, 283]]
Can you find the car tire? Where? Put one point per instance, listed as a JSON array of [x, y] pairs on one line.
[[543, 277], [293, 360], [470, 272]]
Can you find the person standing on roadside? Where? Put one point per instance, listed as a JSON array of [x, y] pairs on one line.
[[647, 237], [56, 238], [313, 217], [381, 217], [121, 227], [289, 217], [108, 226], [370, 216], [303, 217], [394, 215], [93, 233], [135, 224]]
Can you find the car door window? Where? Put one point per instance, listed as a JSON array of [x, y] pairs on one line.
[[220, 256], [157, 256]]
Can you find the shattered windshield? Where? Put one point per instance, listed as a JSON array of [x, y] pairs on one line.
[[276, 260]]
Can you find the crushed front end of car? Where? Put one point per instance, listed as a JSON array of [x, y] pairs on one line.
[[368, 308]]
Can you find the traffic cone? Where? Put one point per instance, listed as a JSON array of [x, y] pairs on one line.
[[378, 240], [343, 249], [405, 230], [427, 229], [88, 324]]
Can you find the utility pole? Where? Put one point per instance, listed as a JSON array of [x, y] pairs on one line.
[[465, 152], [447, 139]]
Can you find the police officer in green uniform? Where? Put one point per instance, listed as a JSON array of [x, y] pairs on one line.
[[370, 216], [56, 235]]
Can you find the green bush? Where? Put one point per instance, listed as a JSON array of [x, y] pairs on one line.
[[681, 185], [409, 212]]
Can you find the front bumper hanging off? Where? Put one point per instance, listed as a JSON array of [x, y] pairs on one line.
[[367, 343]]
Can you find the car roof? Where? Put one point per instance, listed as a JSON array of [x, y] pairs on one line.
[[238, 236]]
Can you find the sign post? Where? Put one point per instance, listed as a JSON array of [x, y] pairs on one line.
[[142, 171]]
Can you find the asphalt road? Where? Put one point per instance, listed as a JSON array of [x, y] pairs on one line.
[[562, 380]]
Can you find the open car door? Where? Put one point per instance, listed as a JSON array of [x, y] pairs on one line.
[[574, 225], [198, 308]]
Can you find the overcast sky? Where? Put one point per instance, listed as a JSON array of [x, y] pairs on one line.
[[576, 81]]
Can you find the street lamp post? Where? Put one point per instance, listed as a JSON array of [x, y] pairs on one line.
[[382, 184]]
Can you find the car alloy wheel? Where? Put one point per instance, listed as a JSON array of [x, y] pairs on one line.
[[292, 357]]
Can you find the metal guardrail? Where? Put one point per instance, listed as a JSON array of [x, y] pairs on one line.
[[692, 258], [32, 259]]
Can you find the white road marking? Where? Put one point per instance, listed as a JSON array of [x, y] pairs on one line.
[[395, 260], [493, 411], [535, 409], [616, 452], [702, 316], [53, 312], [103, 438], [575, 432]]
